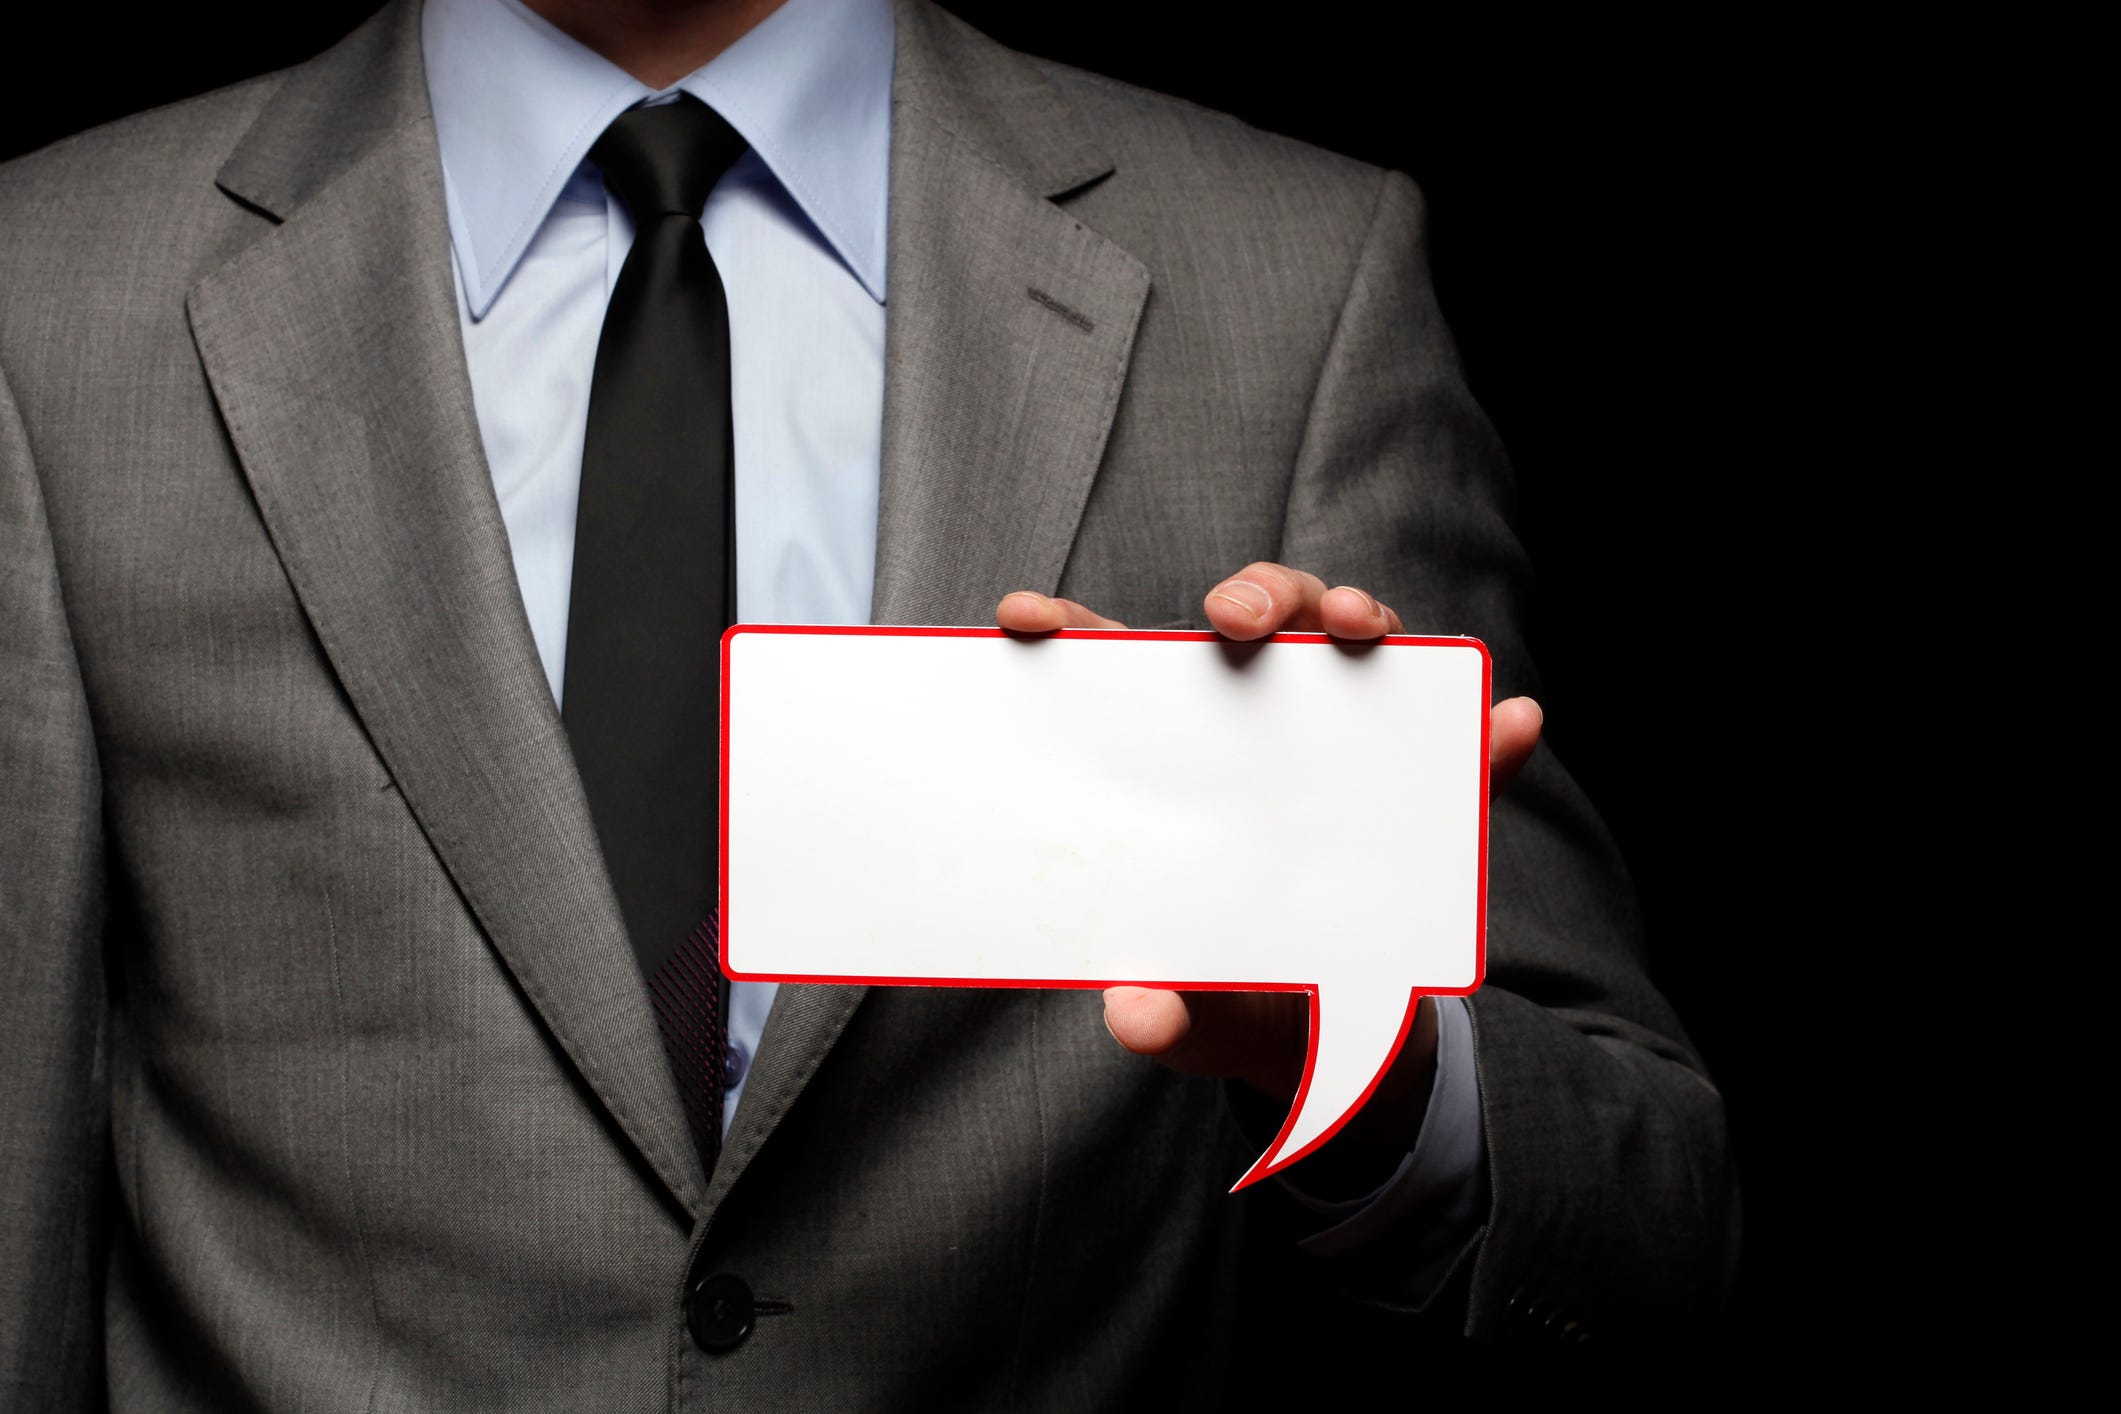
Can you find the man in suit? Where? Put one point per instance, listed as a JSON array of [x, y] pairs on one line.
[[333, 1079]]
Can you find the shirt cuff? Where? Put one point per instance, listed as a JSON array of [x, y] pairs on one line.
[[1432, 1205]]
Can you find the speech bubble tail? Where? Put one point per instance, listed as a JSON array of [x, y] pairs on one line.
[[1356, 1032]]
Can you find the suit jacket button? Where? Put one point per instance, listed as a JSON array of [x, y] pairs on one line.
[[719, 1312]]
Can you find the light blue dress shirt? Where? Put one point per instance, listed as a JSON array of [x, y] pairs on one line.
[[796, 228]]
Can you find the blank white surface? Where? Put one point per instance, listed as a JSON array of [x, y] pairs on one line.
[[1081, 810]]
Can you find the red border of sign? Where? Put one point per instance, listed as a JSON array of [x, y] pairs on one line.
[[1260, 1169]]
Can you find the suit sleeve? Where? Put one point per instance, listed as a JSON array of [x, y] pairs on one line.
[[1612, 1211], [53, 1115]]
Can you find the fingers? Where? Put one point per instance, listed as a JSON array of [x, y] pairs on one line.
[[1256, 1037], [1513, 732], [1147, 1021], [1027, 611], [1348, 612], [1260, 599], [1266, 598]]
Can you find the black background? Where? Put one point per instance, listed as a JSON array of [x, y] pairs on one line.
[[1637, 231]]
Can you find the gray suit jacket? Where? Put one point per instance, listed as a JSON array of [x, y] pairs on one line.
[[329, 1080]]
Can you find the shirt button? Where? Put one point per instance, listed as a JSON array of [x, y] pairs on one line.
[[735, 1061], [719, 1313]]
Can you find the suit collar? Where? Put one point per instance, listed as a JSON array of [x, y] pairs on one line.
[[327, 114], [999, 104]]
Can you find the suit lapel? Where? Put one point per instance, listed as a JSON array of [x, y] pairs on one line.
[[332, 347], [1008, 331]]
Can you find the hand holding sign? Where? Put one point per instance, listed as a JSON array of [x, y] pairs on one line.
[[1091, 810], [1261, 1038]]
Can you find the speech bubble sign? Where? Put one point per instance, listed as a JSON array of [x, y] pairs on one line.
[[964, 807]]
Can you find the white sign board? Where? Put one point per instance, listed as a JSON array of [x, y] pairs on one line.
[[965, 807]]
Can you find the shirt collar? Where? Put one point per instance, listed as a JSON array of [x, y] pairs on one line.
[[518, 104]]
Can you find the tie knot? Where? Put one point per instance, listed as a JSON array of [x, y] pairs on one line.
[[666, 158]]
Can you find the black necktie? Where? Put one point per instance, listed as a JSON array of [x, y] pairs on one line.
[[655, 580]]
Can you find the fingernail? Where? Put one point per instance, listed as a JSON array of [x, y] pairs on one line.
[[1033, 595], [1246, 595], [1375, 610]]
